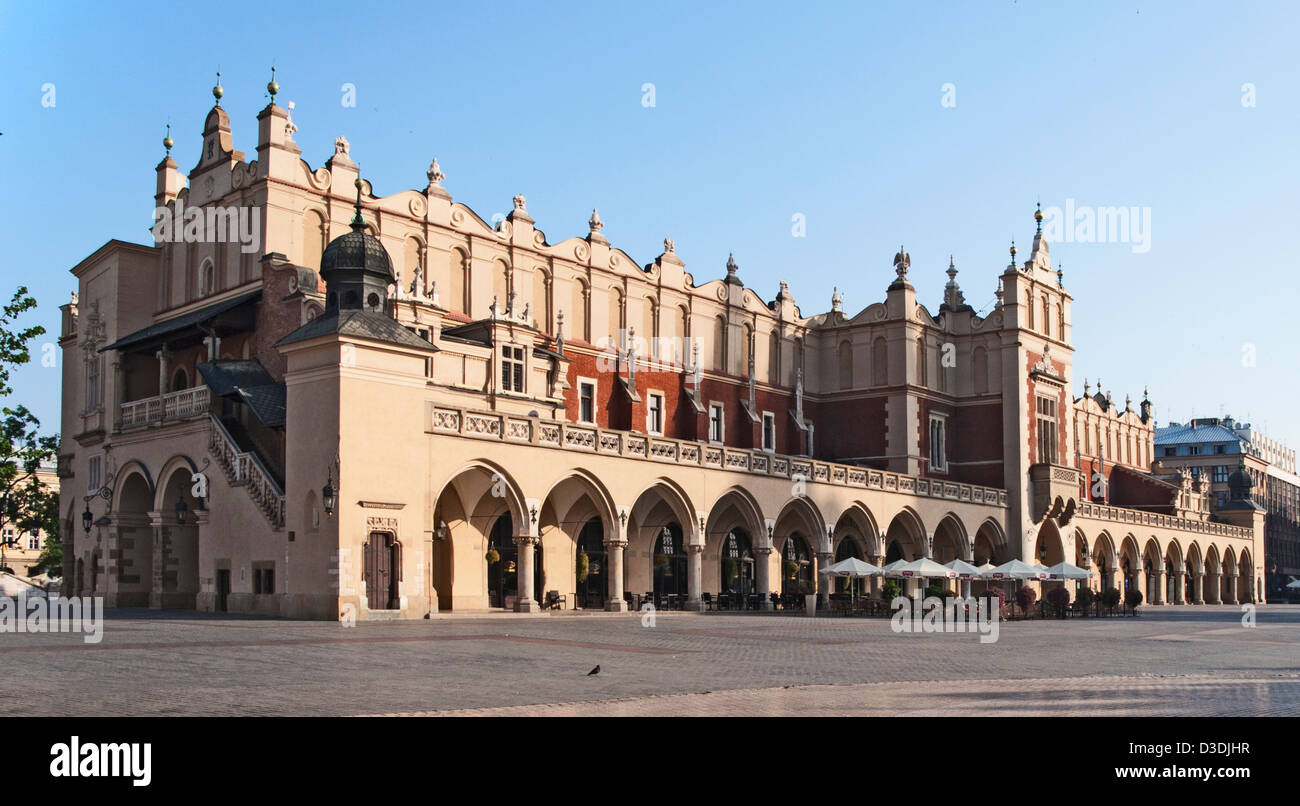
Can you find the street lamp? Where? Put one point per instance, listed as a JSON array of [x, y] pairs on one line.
[[180, 509], [87, 518]]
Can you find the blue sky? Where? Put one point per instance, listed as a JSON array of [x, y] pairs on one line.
[[762, 111]]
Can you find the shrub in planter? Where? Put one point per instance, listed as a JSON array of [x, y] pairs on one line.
[[807, 586], [995, 592], [1059, 598], [492, 556], [934, 590], [791, 569], [1110, 598], [1133, 598], [1083, 599], [890, 590], [1025, 597], [584, 566]]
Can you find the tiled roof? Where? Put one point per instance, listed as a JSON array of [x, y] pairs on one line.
[[225, 377], [1187, 435], [360, 324], [180, 323], [267, 403]]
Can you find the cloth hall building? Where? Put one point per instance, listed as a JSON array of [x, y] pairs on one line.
[[385, 406]]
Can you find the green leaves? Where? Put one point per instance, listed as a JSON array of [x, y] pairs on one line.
[[14, 351]]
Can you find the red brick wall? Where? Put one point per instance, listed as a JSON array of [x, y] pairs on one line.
[[850, 428], [1032, 389], [975, 435]]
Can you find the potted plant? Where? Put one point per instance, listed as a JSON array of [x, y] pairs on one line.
[[996, 592], [1110, 598], [1025, 597], [492, 556], [584, 566], [1083, 600], [934, 589], [1059, 598], [1133, 598], [890, 590], [791, 569]]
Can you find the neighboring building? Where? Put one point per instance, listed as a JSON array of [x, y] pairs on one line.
[[418, 411], [22, 547], [1213, 448]]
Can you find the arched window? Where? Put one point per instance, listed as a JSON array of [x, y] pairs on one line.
[[746, 349], [578, 319], [879, 362], [1060, 321], [1029, 307], [649, 326], [616, 315], [720, 344], [180, 380], [412, 257], [922, 374], [540, 309], [458, 282], [774, 358], [1047, 316], [501, 285], [980, 366], [313, 238], [846, 365]]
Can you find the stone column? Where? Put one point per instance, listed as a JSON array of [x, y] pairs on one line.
[[762, 576], [1157, 587], [1212, 594], [694, 573], [164, 364], [524, 602], [1231, 582], [1198, 587], [878, 561], [614, 601], [614, 547], [159, 558], [824, 559]]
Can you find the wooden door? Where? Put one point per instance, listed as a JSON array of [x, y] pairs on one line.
[[379, 571]]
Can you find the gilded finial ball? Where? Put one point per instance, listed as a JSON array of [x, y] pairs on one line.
[[357, 184], [272, 88], [168, 142], [1038, 214], [1013, 248]]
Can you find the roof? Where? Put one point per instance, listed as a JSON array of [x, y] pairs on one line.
[[226, 376], [266, 402], [250, 381], [183, 322], [358, 324], [1187, 435]]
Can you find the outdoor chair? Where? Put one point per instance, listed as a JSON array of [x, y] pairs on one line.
[[554, 600], [707, 599]]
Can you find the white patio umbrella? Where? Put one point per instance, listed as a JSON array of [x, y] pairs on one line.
[[1295, 583], [1064, 570], [924, 568], [13, 586], [965, 572], [1017, 570], [853, 568]]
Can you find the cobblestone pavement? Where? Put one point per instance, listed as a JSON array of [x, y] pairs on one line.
[[1169, 660]]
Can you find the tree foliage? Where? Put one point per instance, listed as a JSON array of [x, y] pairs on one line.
[[26, 503]]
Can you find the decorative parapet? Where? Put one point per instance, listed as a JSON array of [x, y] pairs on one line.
[[1055, 492], [591, 439], [171, 407], [1105, 512]]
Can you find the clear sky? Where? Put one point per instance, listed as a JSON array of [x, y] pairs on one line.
[[761, 111]]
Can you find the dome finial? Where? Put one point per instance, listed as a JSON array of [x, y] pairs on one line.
[[217, 91], [168, 142], [271, 86], [1013, 252], [358, 223], [1038, 216]]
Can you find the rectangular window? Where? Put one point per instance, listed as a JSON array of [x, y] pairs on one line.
[[654, 414], [769, 432], [1194, 450], [33, 542], [93, 478], [938, 444], [1171, 451], [512, 368], [1221, 474], [1218, 449], [92, 384], [1047, 431], [586, 401], [716, 431]]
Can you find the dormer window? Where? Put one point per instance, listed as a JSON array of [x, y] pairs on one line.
[[512, 368]]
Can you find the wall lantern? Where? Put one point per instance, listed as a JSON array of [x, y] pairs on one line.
[[181, 509], [441, 533], [87, 518], [329, 495]]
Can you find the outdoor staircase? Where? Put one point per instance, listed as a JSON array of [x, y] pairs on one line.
[[243, 468]]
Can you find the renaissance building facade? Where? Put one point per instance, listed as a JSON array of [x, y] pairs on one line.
[[382, 405]]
